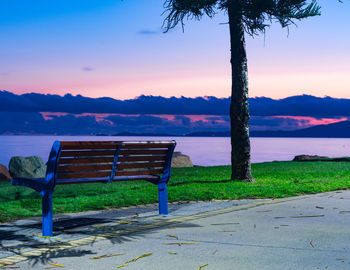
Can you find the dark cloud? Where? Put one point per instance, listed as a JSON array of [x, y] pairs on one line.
[[135, 120], [34, 123], [218, 118], [272, 123], [186, 121], [304, 105]]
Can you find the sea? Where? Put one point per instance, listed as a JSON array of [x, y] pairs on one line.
[[203, 151]]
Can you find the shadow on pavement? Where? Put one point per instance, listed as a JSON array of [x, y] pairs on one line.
[[18, 239]]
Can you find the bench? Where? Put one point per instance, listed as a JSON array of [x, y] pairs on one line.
[[73, 162]]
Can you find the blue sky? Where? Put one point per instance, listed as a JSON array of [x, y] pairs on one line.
[[117, 49]]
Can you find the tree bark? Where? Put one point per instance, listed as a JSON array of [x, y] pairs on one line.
[[239, 108]]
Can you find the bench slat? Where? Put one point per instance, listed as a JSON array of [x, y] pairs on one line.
[[77, 145], [81, 181], [143, 172], [141, 158], [89, 143], [96, 160], [90, 147], [92, 160], [140, 165], [143, 152], [146, 145], [83, 175], [85, 168], [105, 167], [107, 174], [96, 153]]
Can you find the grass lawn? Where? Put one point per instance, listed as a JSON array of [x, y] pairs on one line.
[[273, 180]]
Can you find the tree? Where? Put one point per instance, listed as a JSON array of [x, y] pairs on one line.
[[252, 17]]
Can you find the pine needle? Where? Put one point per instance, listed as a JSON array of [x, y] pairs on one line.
[[312, 244], [56, 264], [123, 222], [139, 257], [180, 243], [172, 253], [219, 224], [5, 264], [106, 256], [102, 226], [123, 265], [307, 216], [202, 266], [172, 235]]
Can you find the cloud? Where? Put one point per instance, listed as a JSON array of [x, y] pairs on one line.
[[186, 121], [273, 123], [135, 120], [147, 32], [88, 69]]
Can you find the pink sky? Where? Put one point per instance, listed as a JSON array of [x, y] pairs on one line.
[[99, 52]]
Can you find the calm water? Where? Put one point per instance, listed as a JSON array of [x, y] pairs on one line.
[[203, 151]]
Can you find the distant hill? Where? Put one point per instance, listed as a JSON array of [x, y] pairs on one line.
[[336, 130], [302, 105], [131, 134]]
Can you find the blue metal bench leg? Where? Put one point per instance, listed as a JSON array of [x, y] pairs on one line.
[[47, 214], [163, 199]]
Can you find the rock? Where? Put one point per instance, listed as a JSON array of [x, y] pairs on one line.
[[181, 160], [27, 167], [309, 158], [4, 173]]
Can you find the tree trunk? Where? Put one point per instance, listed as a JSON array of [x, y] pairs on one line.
[[239, 108]]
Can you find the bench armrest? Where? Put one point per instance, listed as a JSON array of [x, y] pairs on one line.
[[38, 184]]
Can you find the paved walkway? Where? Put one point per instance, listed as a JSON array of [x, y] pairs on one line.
[[307, 232]]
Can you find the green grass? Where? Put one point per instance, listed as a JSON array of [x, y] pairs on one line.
[[273, 180]]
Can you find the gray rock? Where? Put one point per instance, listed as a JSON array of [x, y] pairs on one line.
[[27, 167], [181, 160], [4, 174], [309, 158]]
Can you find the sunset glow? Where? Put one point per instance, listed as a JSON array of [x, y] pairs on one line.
[[91, 48]]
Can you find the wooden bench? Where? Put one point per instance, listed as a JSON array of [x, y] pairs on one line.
[[102, 161]]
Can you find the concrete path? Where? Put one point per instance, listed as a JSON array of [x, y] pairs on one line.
[[307, 232]]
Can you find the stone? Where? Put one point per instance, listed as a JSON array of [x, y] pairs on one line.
[[27, 167], [4, 173], [181, 160], [309, 158]]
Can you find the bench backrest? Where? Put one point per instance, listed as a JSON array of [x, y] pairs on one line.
[[107, 161]]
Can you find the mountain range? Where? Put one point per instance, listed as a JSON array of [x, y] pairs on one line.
[[295, 116]]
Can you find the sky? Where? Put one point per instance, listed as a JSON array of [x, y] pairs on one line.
[[117, 49]]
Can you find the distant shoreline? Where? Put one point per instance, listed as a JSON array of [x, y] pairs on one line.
[[335, 130]]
